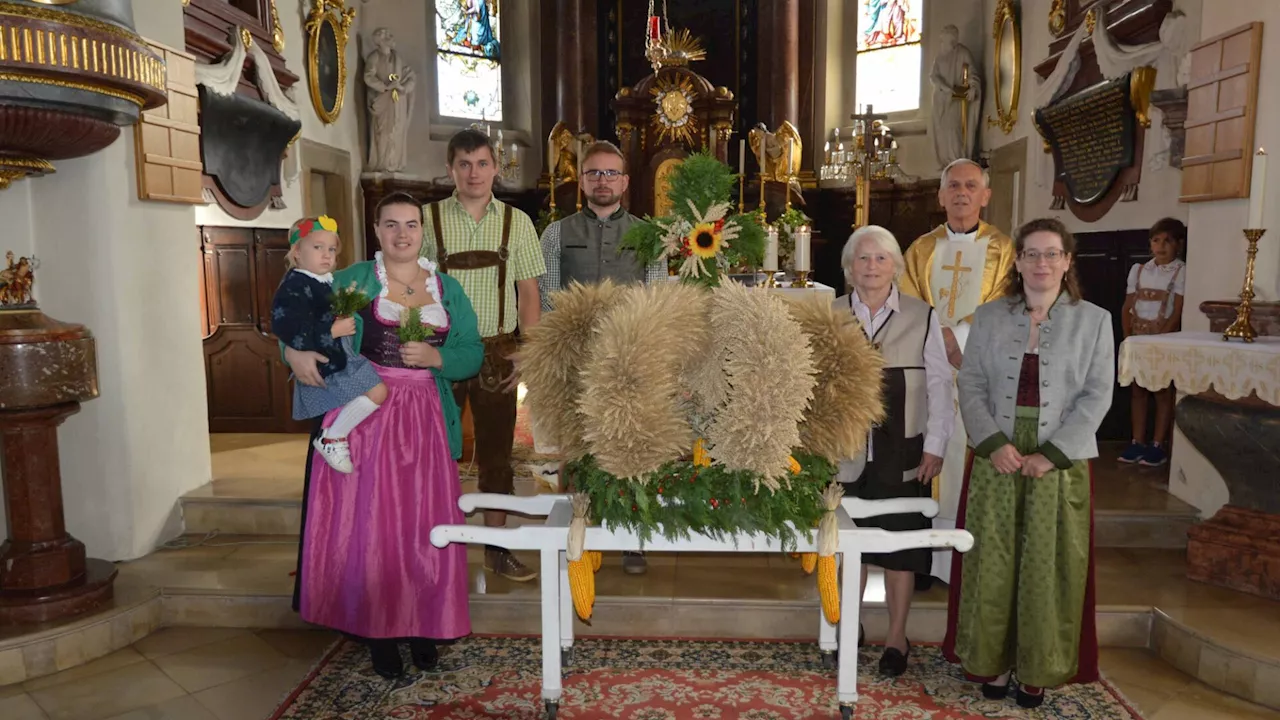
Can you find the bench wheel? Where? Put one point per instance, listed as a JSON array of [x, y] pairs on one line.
[[830, 659], [846, 712], [566, 657], [553, 708]]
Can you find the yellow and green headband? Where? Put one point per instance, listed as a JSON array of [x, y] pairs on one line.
[[310, 225]]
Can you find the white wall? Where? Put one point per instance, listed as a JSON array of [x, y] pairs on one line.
[[127, 270], [1216, 248], [1158, 191], [412, 22], [343, 135]]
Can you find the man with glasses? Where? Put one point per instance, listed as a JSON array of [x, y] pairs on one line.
[[955, 268], [586, 247]]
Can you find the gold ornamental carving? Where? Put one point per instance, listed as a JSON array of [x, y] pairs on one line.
[[329, 18], [1007, 63], [1091, 20], [1058, 17], [674, 97], [1141, 83], [277, 33]]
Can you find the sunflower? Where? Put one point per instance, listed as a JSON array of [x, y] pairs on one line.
[[705, 238]]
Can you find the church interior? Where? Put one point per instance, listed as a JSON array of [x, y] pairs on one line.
[[145, 408]]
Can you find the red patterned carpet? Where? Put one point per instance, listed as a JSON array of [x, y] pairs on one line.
[[487, 677]]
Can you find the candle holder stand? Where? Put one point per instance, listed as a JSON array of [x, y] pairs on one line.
[[801, 280], [1242, 328]]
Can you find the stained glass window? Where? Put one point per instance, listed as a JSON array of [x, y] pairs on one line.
[[468, 60], [888, 63]]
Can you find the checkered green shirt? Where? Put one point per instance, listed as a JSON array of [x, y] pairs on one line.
[[462, 234]]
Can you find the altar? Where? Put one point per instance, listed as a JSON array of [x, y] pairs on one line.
[[1229, 413]]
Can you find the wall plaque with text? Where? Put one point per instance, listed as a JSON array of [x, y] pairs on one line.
[[1092, 135]]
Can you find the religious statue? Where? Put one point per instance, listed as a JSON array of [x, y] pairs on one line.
[[17, 281], [778, 153], [564, 146], [390, 82], [957, 99]]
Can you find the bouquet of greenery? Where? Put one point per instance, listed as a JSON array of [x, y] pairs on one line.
[[699, 235], [347, 301], [545, 218], [412, 329], [786, 225]]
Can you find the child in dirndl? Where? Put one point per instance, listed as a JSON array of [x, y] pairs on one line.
[[1153, 306], [302, 318]]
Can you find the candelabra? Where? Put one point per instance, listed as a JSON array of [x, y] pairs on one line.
[[872, 155], [1242, 328], [508, 161]]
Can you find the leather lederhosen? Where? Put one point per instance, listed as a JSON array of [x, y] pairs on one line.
[[1151, 327], [496, 366]]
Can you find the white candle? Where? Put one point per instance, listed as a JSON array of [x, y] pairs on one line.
[[1257, 189], [802, 248], [742, 157], [771, 249]]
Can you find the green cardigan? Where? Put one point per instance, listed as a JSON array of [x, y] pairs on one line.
[[461, 353]]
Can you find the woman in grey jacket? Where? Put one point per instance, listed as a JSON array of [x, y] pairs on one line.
[[1033, 391]]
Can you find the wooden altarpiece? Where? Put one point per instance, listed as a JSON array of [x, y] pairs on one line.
[[663, 119]]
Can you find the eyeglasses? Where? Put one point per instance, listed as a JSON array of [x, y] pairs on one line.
[[608, 176], [1035, 255]]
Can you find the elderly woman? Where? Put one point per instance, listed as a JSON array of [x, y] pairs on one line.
[[1034, 388], [904, 452], [366, 565]]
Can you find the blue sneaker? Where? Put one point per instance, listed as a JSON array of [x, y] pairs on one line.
[[1154, 457], [1134, 453]]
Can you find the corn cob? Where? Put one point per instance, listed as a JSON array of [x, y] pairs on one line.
[[701, 458], [828, 588], [582, 585], [808, 561], [793, 466], [596, 557], [794, 556]]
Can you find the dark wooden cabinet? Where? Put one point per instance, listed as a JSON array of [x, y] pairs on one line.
[[249, 386]]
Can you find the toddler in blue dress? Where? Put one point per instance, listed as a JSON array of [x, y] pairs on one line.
[[302, 318]]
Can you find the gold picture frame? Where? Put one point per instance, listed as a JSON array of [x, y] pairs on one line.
[[1006, 65], [327, 29]]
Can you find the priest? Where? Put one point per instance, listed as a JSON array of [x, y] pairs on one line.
[[955, 268]]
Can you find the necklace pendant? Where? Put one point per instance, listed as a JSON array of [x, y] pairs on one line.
[[408, 290]]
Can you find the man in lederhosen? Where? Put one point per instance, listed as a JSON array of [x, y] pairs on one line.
[[493, 252]]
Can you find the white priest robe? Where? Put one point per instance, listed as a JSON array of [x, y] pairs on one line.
[[955, 273]]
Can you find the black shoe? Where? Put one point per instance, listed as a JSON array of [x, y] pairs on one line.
[[386, 658], [425, 654], [995, 692], [894, 662], [1030, 700]]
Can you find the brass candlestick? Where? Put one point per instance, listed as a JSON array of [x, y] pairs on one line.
[[1242, 328], [742, 179], [802, 279]]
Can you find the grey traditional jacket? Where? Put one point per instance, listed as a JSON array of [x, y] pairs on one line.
[[1077, 377]]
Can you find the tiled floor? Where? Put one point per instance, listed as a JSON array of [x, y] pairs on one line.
[[217, 674]]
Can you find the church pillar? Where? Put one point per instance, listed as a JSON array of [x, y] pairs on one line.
[[784, 64], [576, 73]]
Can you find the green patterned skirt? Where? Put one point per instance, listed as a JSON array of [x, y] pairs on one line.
[[1023, 583]]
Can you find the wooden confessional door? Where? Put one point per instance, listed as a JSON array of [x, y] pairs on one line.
[[1102, 263], [248, 384]]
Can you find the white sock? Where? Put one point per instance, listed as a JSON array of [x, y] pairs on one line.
[[353, 413]]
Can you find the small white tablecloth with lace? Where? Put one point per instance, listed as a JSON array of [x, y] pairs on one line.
[[1196, 362]]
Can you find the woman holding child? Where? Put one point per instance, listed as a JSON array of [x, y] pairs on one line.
[[366, 565]]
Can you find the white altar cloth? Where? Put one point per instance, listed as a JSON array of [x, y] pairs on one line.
[[1196, 362], [552, 537]]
